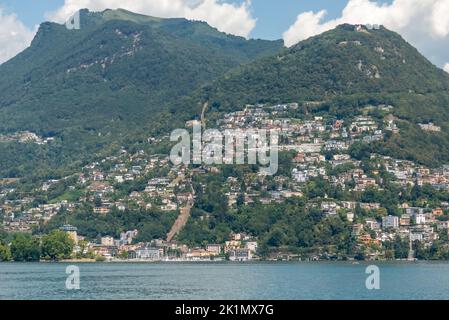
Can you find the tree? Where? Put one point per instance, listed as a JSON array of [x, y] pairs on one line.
[[124, 255], [360, 256], [5, 253], [25, 248], [150, 231], [401, 248], [240, 200], [360, 151], [276, 238], [57, 246], [97, 202]]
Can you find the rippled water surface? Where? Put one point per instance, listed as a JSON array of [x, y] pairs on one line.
[[273, 281]]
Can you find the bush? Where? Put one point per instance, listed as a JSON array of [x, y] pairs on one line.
[[25, 248], [57, 246], [5, 253]]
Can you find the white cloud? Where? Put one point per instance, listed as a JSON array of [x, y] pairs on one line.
[[424, 23], [14, 36], [446, 67], [307, 24], [231, 18]]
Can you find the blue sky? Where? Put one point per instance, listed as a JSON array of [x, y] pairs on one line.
[[30, 12], [274, 19]]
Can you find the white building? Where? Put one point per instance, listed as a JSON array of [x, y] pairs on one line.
[[251, 246], [107, 241], [420, 218], [390, 222], [148, 253], [240, 255]]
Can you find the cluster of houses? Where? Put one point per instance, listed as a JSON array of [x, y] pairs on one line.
[[311, 139], [32, 217], [431, 127], [159, 192], [25, 137], [98, 185], [321, 146], [414, 224], [240, 248]]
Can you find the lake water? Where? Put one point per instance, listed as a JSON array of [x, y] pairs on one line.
[[202, 281]]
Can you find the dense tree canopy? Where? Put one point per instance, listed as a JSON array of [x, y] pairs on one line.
[[57, 245]]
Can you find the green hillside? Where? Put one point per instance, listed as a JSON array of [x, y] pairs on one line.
[[338, 62], [345, 70], [110, 81]]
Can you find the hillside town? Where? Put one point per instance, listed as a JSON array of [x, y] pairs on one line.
[[25, 137], [321, 148]]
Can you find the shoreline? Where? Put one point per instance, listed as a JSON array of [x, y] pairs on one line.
[[355, 263]]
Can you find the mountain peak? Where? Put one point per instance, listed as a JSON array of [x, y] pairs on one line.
[[125, 15], [354, 32], [348, 60]]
